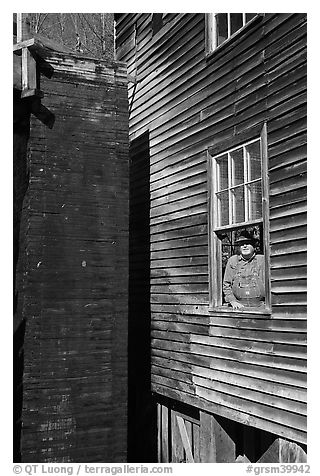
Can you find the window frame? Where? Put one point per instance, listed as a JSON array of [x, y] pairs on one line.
[[215, 247], [210, 30]]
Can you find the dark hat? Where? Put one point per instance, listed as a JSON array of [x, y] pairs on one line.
[[246, 237]]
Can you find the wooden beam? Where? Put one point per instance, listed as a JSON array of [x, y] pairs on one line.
[[208, 451], [18, 47], [176, 446]]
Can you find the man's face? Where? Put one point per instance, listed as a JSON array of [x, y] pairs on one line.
[[246, 250]]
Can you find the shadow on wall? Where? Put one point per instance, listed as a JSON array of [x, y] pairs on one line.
[[141, 407], [22, 109]]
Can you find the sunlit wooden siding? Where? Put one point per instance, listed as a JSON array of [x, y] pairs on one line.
[[251, 369]]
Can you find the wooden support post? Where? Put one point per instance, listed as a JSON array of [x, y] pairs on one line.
[[208, 452], [159, 424], [216, 446], [28, 62], [19, 27], [176, 443], [196, 443], [29, 74], [185, 439], [23, 27], [165, 434]]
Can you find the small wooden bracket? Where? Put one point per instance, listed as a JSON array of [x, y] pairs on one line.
[[29, 82], [26, 93]]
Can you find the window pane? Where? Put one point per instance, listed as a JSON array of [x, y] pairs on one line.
[[249, 16], [223, 208], [222, 172], [255, 200], [222, 27], [238, 205], [236, 22], [226, 250], [237, 166], [253, 161]]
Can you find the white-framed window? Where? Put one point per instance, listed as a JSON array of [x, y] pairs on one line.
[[238, 191], [238, 202], [222, 26]]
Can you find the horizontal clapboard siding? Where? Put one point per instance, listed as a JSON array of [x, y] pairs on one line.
[[253, 368]]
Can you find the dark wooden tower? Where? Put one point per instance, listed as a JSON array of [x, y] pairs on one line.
[[71, 255]]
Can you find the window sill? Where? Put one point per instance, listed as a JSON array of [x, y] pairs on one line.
[[228, 311], [235, 38]]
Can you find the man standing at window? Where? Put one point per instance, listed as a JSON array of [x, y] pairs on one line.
[[243, 282]]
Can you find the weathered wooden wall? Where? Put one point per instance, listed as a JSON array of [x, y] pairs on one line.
[[251, 369], [73, 270], [21, 129]]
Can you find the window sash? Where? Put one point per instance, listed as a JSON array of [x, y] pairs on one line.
[[212, 36], [234, 188], [215, 244]]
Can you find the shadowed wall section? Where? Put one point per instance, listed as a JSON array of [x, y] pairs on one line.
[[74, 266]]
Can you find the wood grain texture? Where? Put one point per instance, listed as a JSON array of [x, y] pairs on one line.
[[190, 103]]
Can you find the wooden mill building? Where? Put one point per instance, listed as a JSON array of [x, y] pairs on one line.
[[217, 128]]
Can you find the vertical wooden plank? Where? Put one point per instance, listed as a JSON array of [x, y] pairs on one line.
[[25, 67], [23, 27], [185, 439], [176, 442], [159, 429], [207, 440], [225, 446], [216, 446], [164, 434], [32, 72], [188, 426], [19, 27], [196, 442], [29, 71], [266, 211], [210, 38]]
